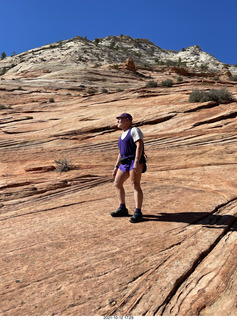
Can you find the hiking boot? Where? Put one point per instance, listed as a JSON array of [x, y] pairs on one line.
[[137, 217], [120, 213]]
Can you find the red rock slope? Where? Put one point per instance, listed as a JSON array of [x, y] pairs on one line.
[[61, 252]]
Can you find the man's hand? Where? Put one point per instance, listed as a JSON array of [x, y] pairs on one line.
[[114, 172], [136, 165]]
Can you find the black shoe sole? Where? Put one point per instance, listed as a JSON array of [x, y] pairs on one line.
[[114, 214], [119, 215], [135, 220]]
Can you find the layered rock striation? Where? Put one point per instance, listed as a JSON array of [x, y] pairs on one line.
[[61, 251]]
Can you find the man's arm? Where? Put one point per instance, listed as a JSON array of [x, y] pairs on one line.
[[139, 144], [116, 166]]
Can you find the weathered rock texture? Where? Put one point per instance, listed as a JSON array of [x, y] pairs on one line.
[[61, 251], [129, 65], [225, 73], [80, 52]]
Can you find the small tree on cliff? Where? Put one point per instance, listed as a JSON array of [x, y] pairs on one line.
[[3, 55]]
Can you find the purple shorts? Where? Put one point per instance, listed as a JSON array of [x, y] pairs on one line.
[[129, 166]]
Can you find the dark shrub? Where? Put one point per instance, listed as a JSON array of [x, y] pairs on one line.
[[152, 84], [3, 55], [198, 96], [97, 40], [167, 83], [91, 91], [63, 165], [220, 96]]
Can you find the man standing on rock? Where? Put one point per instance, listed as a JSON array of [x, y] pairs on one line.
[[130, 162]]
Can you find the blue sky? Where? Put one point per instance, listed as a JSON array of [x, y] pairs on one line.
[[169, 24]]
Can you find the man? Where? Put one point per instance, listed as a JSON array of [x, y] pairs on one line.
[[130, 162]]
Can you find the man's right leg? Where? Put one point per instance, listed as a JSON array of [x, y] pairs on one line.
[[119, 180]]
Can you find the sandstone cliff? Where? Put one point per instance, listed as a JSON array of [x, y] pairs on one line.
[[61, 252], [80, 52]]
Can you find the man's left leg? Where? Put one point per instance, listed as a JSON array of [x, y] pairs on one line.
[[135, 176]]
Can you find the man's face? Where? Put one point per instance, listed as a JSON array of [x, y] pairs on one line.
[[122, 123]]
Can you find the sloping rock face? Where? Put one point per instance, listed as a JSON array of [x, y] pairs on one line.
[[80, 52], [61, 251]]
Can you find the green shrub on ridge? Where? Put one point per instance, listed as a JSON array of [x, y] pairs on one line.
[[167, 83], [152, 84], [220, 96]]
